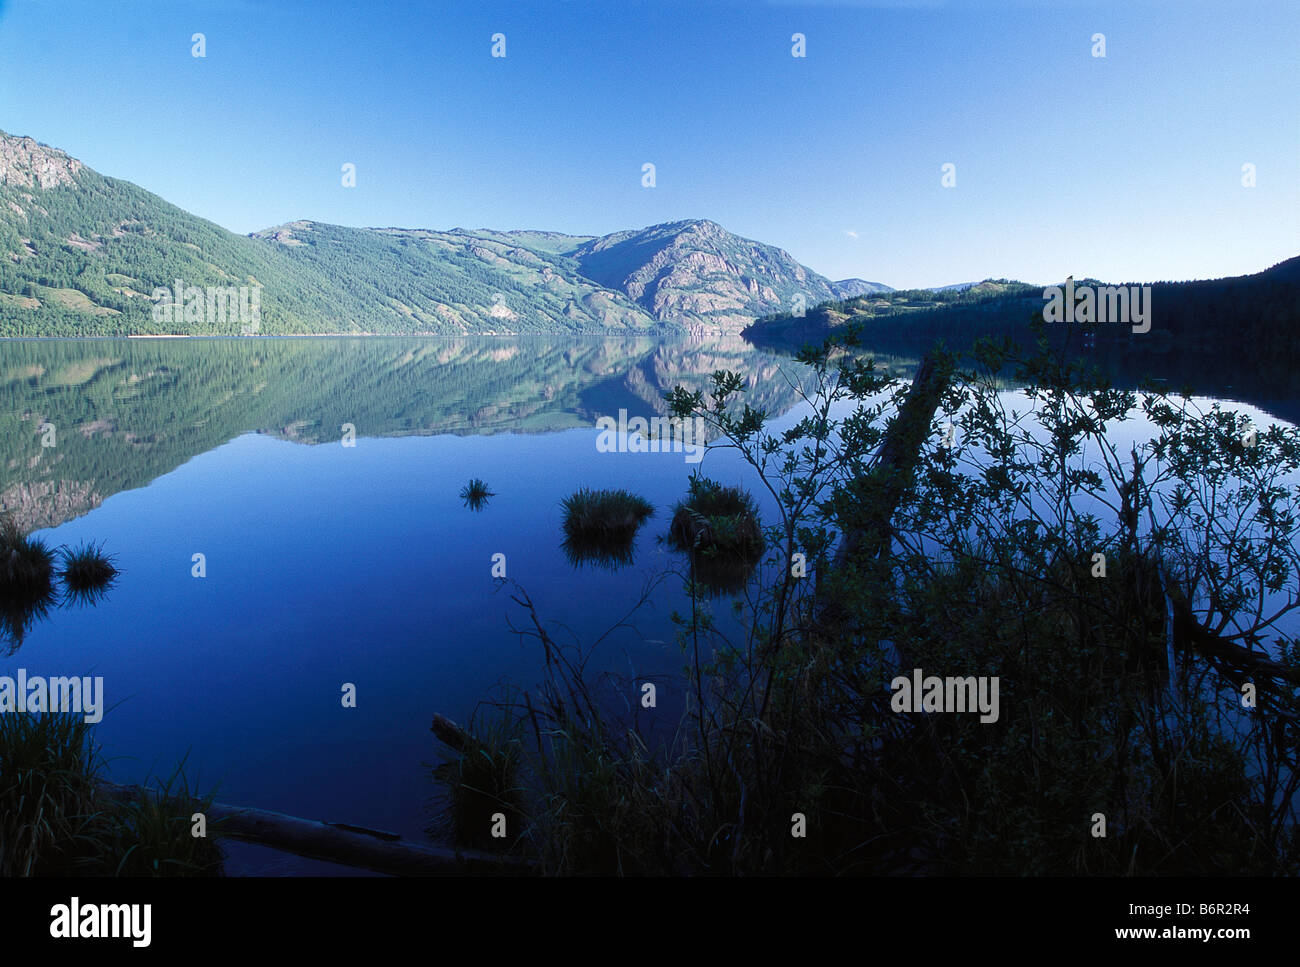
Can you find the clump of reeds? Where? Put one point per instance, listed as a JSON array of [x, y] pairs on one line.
[[720, 528], [57, 820], [87, 572], [479, 783], [26, 579], [26, 564], [152, 834], [600, 526], [475, 494]]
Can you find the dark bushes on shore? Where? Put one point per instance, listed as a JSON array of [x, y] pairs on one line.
[[1122, 643]]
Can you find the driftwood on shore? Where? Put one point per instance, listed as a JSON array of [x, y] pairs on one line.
[[342, 843]]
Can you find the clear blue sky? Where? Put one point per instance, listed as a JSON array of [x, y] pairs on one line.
[[1127, 168]]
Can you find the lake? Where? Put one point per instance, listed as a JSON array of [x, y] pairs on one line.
[[329, 564]]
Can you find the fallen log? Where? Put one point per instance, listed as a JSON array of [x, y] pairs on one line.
[[451, 734], [343, 843], [867, 505], [881, 490]]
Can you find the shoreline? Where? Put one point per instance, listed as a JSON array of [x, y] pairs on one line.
[[613, 334]]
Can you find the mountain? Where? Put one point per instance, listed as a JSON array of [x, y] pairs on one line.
[[82, 254], [697, 273], [851, 288], [1288, 272]]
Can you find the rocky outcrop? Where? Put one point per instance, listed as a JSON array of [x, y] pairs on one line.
[[48, 503], [699, 275], [26, 163]]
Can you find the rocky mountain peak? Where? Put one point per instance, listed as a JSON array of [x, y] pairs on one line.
[[26, 163]]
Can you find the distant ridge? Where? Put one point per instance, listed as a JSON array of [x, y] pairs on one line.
[[1258, 315], [850, 288]]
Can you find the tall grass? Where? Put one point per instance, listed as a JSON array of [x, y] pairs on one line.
[[55, 819], [152, 834], [48, 821], [480, 782]]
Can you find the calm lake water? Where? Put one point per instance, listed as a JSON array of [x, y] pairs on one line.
[[328, 564]]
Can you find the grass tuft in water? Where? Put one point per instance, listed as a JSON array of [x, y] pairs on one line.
[[720, 528], [475, 494], [600, 526], [87, 572], [480, 783], [56, 819], [26, 580], [153, 833], [47, 767]]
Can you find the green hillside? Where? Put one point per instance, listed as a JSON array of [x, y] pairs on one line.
[[82, 254], [421, 281], [909, 312]]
